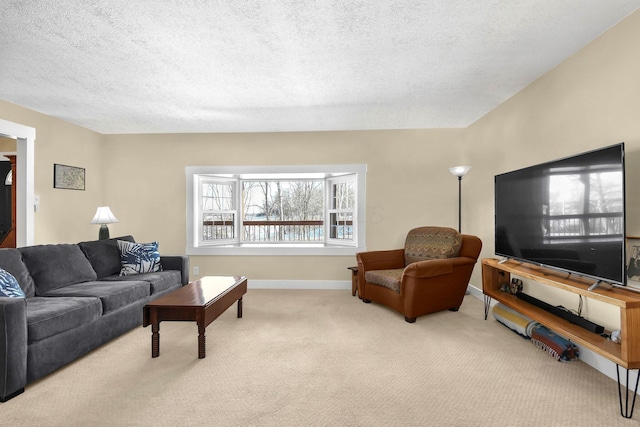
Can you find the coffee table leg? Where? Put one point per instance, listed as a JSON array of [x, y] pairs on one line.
[[155, 339], [202, 349], [240, 308]]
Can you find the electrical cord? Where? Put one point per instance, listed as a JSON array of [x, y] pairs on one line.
[[580, 306], [577, 312]]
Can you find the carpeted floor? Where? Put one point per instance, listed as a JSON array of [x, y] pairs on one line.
[[322, 358]]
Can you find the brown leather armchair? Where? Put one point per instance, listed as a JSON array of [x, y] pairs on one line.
[[430, 274]]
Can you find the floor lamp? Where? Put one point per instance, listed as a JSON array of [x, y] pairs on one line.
[[459, 171]]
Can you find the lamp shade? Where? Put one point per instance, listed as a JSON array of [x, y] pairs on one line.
[[460, 171], [104, 216]]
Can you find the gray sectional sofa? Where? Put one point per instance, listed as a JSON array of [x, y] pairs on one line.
[[75, 301]]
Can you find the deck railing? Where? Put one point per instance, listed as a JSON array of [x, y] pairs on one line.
[[275, 231]]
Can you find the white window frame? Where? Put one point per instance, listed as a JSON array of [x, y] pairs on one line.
[[193, 174]]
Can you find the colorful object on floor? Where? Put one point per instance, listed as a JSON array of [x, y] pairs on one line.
[[560, 348], [512, 319]]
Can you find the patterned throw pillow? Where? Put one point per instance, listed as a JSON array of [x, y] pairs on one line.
[[9, 286], [137, 258]]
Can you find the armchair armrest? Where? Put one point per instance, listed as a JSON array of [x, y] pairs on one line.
[[13, 347], [429, 268], [177, 262], [380, 260], [376, 260], [436, 267], [471, 247]]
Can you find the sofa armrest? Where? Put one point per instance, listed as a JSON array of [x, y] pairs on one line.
[[13, 347], [176, 262]]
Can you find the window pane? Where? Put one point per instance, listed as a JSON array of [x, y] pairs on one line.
[[342, 210], [216, 226], [341, 226], [218, 211], [217, 196], [282, 211], [343, 196]]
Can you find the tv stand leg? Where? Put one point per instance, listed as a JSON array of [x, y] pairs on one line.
[[487, 306], [595, 285], [625, 411]]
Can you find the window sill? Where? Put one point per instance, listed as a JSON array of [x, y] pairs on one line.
[[275, 250]]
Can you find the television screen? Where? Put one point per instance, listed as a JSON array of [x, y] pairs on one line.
[[567, 214]]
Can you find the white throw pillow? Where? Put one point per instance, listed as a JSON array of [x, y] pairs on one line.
[[137, 258]]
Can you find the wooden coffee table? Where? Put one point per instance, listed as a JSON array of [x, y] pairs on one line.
[[201, 301]]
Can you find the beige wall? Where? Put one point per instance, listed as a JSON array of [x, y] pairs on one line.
[[589, 101], [7, 145], [64, 214], [142, 179], [408, 185]]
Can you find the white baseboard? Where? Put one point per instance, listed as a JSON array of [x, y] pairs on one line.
[[299, 284], [472, 290], [599, 363]]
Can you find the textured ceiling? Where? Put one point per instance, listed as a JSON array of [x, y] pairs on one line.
[[122, 66]]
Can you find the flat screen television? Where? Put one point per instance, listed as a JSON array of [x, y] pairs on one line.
[[567, 214]]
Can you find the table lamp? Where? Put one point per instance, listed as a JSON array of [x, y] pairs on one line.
[[103, 217]]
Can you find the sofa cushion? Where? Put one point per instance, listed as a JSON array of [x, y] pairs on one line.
[[160, 281], [50, 316], [9, 286], [11, 260], [114, 295], [55, 266], [431, 243], [139, 258], [387, 278], [104, 255]]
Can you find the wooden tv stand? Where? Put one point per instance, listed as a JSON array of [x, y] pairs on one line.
[[625, 355]]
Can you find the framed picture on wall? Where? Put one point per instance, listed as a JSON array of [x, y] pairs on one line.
[[633, 260], [68, 177]]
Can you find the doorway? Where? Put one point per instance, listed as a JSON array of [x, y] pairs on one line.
[[6, 206], [25, 137], [7, 198]]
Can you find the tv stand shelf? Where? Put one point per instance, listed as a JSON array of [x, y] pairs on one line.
[[625, 355]]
